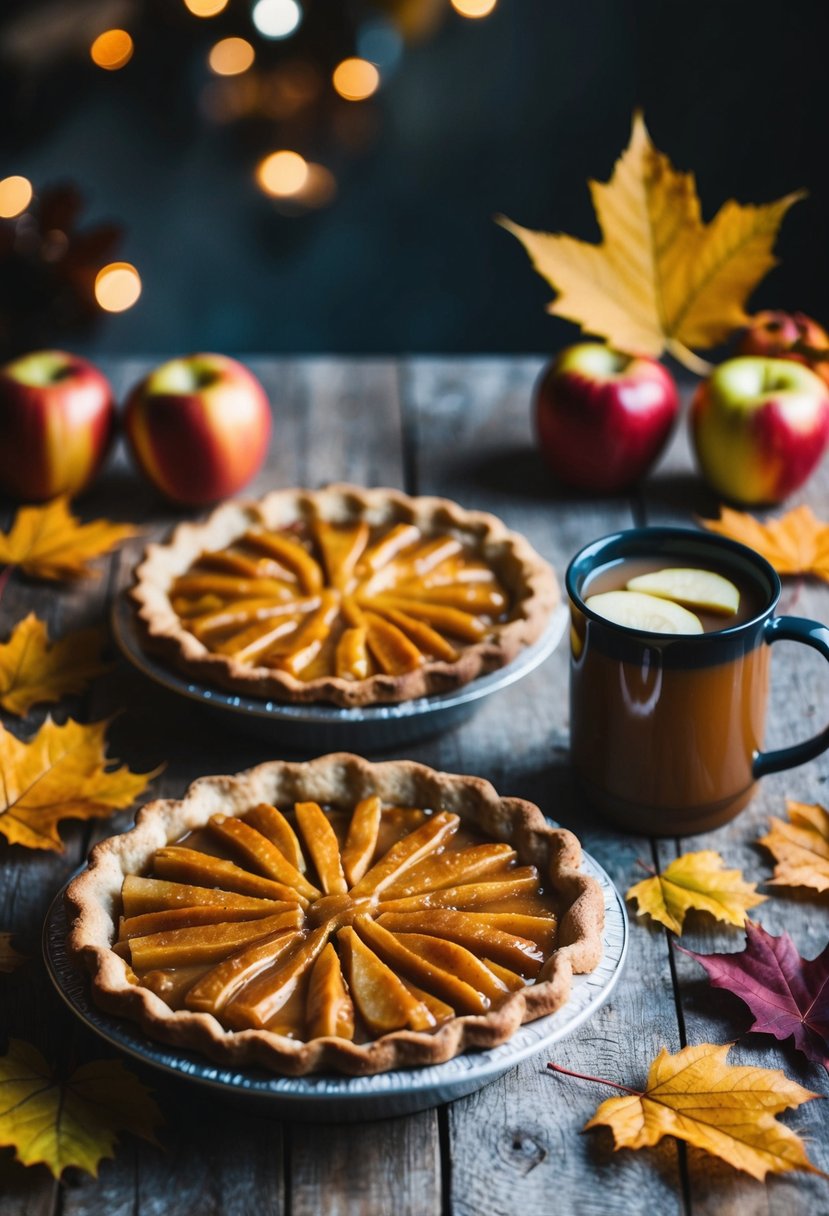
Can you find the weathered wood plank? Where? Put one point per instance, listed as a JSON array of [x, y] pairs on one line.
[[799, 706], [515, 1145]]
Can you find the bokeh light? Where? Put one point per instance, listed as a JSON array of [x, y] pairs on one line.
[[112, 50], [15, 196], [117, 286], [356, 79], [231, 56], [381, 43], [206, 8], [282, 174], [474, 8], [276, 18]]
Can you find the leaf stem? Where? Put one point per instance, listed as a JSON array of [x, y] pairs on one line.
[[583, 1076], [687, 358]]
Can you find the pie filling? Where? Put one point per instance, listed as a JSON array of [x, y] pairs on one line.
[[317, 922], [346, 600]]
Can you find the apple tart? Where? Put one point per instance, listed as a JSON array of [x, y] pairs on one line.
[[336, 915], [342, 595]]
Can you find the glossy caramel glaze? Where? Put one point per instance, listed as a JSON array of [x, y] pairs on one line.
[[343, 600], [318, 922]]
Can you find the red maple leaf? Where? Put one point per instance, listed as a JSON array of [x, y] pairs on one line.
[[788, 995]]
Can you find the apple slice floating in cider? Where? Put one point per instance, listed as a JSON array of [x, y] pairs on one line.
[[691, 588], [646, 612]]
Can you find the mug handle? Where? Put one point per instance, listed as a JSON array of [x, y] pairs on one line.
[[794, 629]]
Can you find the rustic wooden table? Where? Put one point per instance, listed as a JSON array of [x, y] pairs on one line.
[[459, 428]]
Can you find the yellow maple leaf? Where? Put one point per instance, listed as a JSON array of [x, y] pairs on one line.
[[76, 1122], [794, 543], [728, 1110], [49, 542], [32, 670], [60, 774], [10, 959], [661, 279], [698, 881], [800, 847]]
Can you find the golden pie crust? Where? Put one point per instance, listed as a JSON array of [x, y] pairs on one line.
[[340, 783], [426, 657]]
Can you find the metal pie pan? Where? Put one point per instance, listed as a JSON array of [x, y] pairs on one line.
[[328, 727], [333, 1098]]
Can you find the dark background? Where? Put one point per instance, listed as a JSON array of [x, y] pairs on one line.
[[511, 113]]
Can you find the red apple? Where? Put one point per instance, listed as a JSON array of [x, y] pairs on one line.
[[57, 415], [788, 335], [602, 417], [199, 427], [759, 427]]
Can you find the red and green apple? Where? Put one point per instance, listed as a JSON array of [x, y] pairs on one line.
[[57, 415], [788, 335], [759, 427], [603, 417], [199, 427]]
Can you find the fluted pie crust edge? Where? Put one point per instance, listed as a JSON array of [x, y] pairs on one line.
[[528, 578], [93, 902]]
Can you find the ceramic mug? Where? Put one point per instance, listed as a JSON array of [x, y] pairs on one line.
[[667, 730]]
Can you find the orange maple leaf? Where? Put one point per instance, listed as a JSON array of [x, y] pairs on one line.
[[50, 542], [33, 670], [728, 1110], [800, 847], [794, 543], [60, 774]]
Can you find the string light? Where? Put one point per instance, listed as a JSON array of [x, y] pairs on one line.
[[474, 8], [231, 56], [276, 18], [282, 174], [117, 286], [356, 79], [112, 50], [205, 8], [15, 196]]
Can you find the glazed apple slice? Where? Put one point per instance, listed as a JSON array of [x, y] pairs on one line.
[[449, 868], [289, 553], [254, 640], [448, 620], [382, 999], [275, 827], [173, 984], [321, 843], [145, 895], [351, 658], [382, 551], [440, 1011], [467, 895], [225, 561], [329, 1009], [438, 976], [231, 587], [646, 612], [341, 547], [393, 651], [187, 865], [184, 918], [407, 853], [361, 842], [297, 651], [220, 984], [510, 979], [261, 853], [204, 943], [237, 615], [451, 958], [261, 1000], [430, 553], [474, 933], [427, 639], [691, 588], [476, 598]]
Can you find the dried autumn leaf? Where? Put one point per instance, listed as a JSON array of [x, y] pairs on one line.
[[728, 1110], [49, 542], [788, 995], [794, 543], [800, 847], [661, 279], [10, 959], [32, 670], [60, 774], [76, 1122], [698, 881]]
